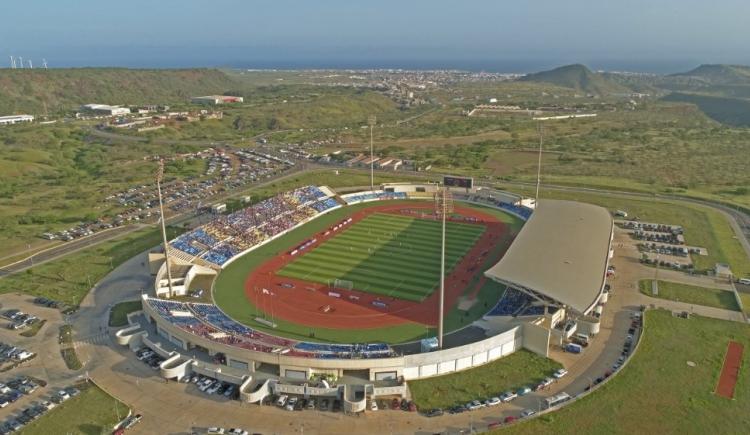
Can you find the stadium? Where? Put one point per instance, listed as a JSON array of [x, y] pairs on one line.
[[318, 284]]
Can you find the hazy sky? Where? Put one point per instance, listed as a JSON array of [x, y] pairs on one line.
[[222, 32]]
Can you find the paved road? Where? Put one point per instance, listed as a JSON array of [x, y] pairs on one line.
[[66, 248]]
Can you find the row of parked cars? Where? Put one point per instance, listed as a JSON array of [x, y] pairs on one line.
[[13, 390], [149, 357], [504, 397], [49, 303], [36, 410], [19, 319], [212, 386], [293, 403], [10, 353]]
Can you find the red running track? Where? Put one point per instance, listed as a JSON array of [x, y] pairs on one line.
[[308, 303], [730, 372]]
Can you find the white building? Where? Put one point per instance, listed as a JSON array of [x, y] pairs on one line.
[[217, 99], [15, 119], [105, 109]]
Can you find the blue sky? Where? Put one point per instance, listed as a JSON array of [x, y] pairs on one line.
[[187, 32]]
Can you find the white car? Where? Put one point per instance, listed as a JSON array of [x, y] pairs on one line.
[[237, 431], [474, 404], [290, 404], [508, 396], [281, 401], [215, 430], [373, 405], [560, 373], [492, 401], [214, 388], [527, 413]]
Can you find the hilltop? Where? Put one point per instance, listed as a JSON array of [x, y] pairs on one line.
[[577, 77], [719, 74], [63, 90]]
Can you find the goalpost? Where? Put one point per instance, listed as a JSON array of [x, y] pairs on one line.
[[343, 284]]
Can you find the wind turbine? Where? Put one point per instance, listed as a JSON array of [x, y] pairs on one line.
[[20, 60], [12, 63], [44, 63], [31, 66]]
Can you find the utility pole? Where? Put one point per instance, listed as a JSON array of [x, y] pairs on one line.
[[159, 177], [372, 120]]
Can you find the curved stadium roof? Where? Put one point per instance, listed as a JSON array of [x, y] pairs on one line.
[[562, 253]]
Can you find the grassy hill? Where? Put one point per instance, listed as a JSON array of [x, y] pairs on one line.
[[62, 90], [719, 74], [577, 77]]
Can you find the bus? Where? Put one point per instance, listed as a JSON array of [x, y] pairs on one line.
[[556, 400]]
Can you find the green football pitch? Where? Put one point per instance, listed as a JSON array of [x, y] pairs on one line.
[[388, 255]]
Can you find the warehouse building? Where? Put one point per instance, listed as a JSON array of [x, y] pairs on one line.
[[15, 119], [105, 109], [215, 100]]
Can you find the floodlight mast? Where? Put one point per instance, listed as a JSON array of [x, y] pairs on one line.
[[540, 128], [371, 120], [443, 211], [159, 177]]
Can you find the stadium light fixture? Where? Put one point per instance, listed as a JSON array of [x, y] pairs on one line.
[[159, 178], [371, 120]]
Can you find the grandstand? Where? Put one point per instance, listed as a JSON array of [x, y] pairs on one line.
[[208, 321], [570, 245], [219, 241]]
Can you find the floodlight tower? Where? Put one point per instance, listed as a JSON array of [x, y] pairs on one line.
[[443, 206], [371, 120], [540, 129], [159, 177]]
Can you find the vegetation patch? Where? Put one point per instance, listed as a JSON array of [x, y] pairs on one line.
[[67, 350], [118, 315], [91, 412], [521, 368], [689, 294], [34, 328], [659, 391]]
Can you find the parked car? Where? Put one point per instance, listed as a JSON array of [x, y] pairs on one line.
[[281, 401], [436, 412], [523, 391], [492, 401], [474, 405], [508, 396], [373, 405], [560, 373], [527, 413]]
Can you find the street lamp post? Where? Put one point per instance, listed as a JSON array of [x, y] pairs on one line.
[[371, 120]]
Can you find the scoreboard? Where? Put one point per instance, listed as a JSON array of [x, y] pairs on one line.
[[465, 182]]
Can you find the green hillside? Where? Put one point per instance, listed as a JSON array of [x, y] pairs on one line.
[[577, 77], [63, 90], [720, 74]]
